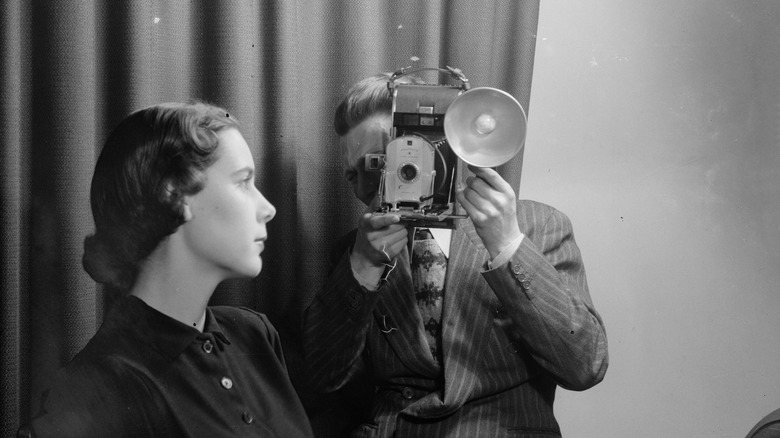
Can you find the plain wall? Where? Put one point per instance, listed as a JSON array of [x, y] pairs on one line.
[[655, 126]]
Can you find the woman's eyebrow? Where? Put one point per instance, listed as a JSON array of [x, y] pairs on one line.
[[250, 171]]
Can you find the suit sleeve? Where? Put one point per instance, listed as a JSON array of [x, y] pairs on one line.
[[544, 292], [335, 328]]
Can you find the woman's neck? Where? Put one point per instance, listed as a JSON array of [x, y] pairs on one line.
[[181, 303], [174, 290]]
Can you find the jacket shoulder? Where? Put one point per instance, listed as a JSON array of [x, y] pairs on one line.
[[535, 217]]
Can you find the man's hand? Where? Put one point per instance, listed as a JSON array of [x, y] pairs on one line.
[[492, 205], [379, 239]]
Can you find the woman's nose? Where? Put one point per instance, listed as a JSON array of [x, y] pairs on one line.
[[265, 210]]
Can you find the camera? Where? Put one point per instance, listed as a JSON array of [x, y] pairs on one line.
[[419, 169], [435, 129]]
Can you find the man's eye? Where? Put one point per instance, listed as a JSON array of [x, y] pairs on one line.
[[351, 175]]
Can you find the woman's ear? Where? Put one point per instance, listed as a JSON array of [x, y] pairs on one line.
[[183, 202], [186, 211]]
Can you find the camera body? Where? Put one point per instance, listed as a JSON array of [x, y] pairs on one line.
[[408, 173], [419, 170]]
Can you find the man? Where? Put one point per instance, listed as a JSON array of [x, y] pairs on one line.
[[480, 356]]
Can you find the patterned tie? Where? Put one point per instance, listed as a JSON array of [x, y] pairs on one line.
[[429, 267]]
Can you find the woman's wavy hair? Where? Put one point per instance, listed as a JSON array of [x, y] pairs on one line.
[[151, 160]]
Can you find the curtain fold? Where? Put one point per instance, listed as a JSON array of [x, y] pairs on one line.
[[73, 69]]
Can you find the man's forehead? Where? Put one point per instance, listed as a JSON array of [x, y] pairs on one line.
[[369, 137]]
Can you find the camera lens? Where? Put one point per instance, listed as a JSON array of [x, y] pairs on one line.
[[408, 172]]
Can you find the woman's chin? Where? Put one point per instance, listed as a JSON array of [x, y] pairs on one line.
[[248, 271]]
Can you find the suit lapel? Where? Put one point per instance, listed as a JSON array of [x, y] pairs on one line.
[[466, 323], [397, 308]]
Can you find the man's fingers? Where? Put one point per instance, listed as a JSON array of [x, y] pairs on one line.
[[396, 248], [392, 244], [396, 233], [383, 220], [371, 222], [470, 208], [479, 186], [490, 177]]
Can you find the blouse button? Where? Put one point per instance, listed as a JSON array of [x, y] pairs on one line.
[[208, 347], [247, 417], [226, 383]]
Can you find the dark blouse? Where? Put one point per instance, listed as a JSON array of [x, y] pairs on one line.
[[146, 374]]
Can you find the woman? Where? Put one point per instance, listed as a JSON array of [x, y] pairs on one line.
[[176, 212]]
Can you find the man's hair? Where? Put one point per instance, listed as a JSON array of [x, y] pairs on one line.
[[367, 97], [151, 160]]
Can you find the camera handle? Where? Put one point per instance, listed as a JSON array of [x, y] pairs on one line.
[[456, 74]]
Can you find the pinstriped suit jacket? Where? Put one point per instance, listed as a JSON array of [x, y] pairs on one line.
[[510, 335]]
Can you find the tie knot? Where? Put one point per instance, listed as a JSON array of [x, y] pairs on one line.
[[422, 234]]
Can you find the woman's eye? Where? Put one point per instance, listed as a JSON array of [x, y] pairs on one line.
[[351, 175]]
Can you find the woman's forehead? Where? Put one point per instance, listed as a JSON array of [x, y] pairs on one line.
[[232, 151]]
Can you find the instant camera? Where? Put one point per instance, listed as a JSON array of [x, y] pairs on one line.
[[435, 129]]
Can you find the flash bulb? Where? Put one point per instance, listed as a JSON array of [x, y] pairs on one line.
[[485, 124]]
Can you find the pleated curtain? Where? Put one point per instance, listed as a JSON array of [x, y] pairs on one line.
[[72, 69]]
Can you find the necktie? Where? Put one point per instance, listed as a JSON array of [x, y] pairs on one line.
[[429, 267]]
